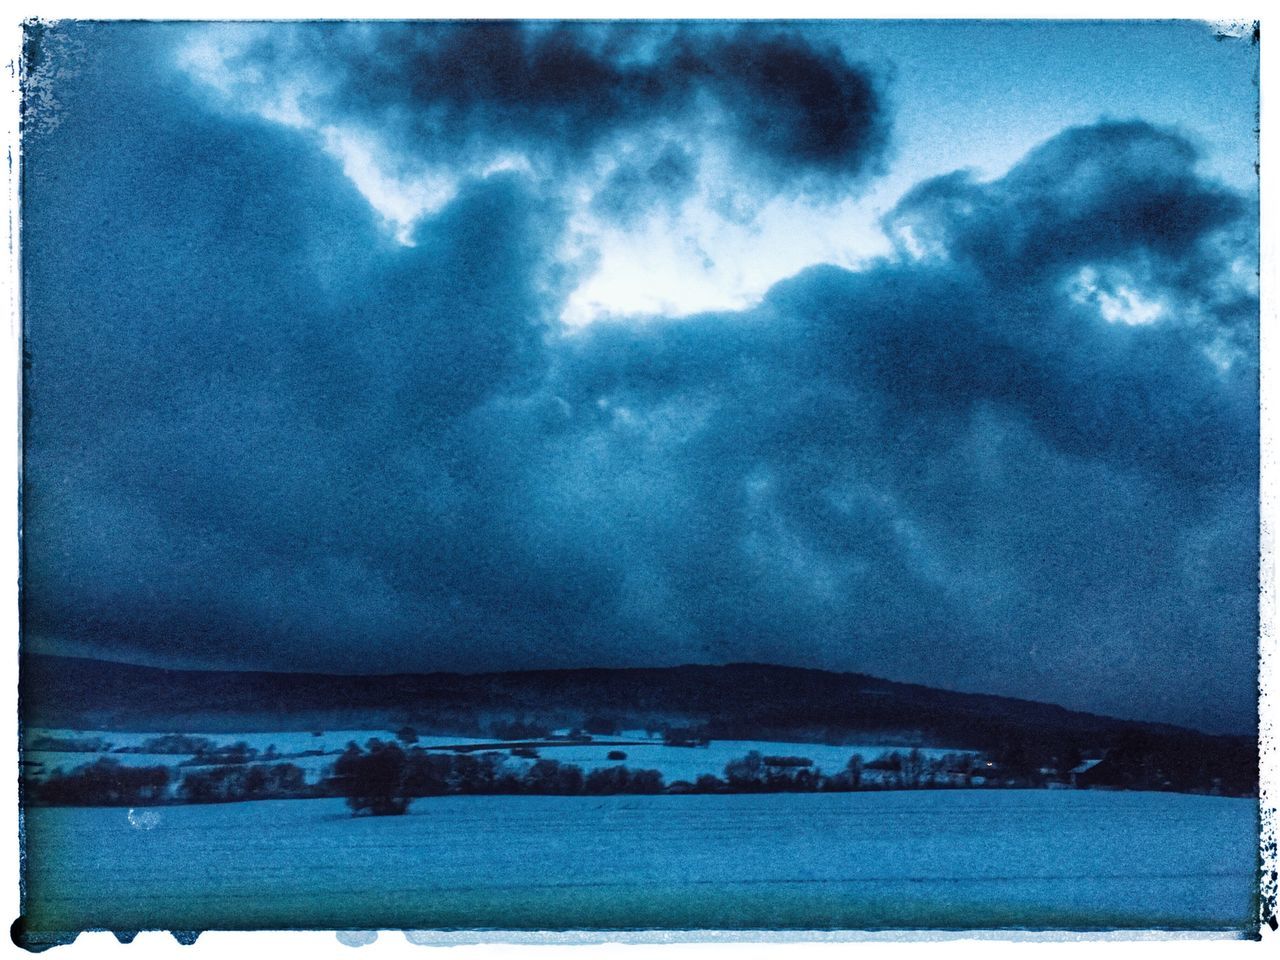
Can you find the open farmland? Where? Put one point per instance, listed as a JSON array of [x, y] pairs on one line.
[[954, 859], [316, 751]]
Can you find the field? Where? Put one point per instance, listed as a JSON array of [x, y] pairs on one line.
[[921, 859], [642, 752]]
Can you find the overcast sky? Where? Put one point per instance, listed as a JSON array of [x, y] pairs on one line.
[[922, 350]]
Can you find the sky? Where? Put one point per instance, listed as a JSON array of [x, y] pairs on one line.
[[925, 350]]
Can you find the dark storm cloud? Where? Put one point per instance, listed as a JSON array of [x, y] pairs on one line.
[[220, 335], [792, 109], [950, 463], [1116, 199], [261, 434], [1112, 189]]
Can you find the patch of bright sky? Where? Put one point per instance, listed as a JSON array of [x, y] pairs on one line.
[[699, 260], [963, 95], [1117, 302]]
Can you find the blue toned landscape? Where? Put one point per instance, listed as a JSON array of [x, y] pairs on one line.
[[954, 860], [659, 474], [640, 812]]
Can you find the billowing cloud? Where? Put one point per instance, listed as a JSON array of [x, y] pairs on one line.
[[659, 140], [952, 449], [1113, 189], [565, 95], [1016, 454]]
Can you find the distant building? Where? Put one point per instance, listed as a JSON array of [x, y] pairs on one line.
[[1082, 768]]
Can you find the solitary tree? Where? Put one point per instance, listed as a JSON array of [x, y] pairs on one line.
[[374, 782]]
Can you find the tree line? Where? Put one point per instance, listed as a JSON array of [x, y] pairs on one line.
[[384, 777]]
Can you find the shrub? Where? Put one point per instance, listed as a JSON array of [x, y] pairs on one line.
[[745, 773], [708, 783], [261, 781], [427, 774], [235, 754], [518, 730], [407, 735], [105, 782], [683, 737], [854, 769], [645, 781], [601, 726], [891, 762], [610, 780], [69, 744], [788, 762], [553, 777], [475, 774], [176, 743]]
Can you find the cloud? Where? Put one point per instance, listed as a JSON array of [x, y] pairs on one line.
[[261, 432], [664, 177], [664, 138], [1110, 189], [936, 457], [563, 92], [793, 112], [1117, 214]]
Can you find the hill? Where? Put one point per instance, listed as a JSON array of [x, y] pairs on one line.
[[739, 701], [733, 701]]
